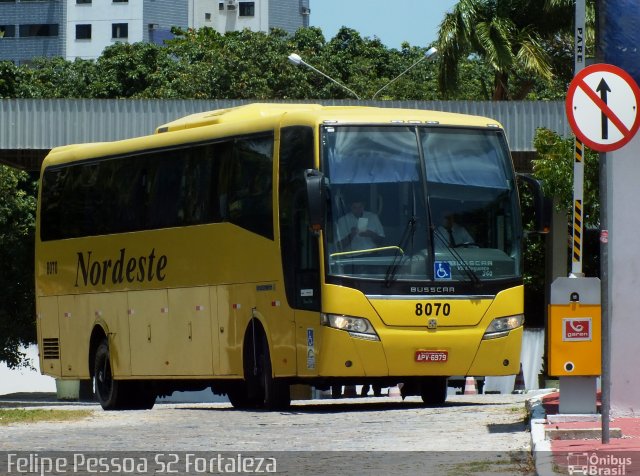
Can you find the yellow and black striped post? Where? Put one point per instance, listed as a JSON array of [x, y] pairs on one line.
[[578, 193], [577, 230]]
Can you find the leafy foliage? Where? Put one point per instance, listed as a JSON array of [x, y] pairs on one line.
[[17, 310], [204, 64], [554, 166], [510, 36]]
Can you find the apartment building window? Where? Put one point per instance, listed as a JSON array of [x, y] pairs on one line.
[[7, 31], [7, 1], [120, 1], [45, 29], [221, 6], [82, 1], [207, 17], [247, 9], [83, 32], [119, 30]]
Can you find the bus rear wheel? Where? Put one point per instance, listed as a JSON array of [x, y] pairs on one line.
[[433, 390], [117, 394], [108, 391]]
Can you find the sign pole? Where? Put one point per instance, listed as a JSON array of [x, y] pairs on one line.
[[605, 382], [579, 392], [578, 163], [578, 197]]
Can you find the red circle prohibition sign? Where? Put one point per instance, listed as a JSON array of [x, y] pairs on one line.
[[602, 107]]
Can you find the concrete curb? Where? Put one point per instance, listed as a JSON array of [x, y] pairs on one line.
[[540, 446]]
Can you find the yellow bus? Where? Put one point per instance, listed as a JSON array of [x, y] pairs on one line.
[[256, 247]]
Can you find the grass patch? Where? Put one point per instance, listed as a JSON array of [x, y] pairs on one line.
[[20, 415], [515, 464]]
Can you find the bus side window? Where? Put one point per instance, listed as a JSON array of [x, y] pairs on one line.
[[249, 185], [164, 197]]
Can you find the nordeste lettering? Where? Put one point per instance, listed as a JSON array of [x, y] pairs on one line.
[[92, 271]]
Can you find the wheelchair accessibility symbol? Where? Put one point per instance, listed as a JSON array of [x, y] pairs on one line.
[[442, 270]]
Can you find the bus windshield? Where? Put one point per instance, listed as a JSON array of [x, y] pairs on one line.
[[420, 203]]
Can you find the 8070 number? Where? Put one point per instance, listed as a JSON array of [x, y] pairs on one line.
[[433, 309]]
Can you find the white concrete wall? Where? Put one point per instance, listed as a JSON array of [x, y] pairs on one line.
[[230, 20], [198, 10], [101, 15], [624, 277], [24, 380]]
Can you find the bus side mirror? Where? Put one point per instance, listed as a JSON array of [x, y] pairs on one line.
[[542, 206], [316, 198]]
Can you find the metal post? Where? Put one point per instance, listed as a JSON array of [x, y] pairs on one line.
[[578, 196], [605, 382], [578, 164]]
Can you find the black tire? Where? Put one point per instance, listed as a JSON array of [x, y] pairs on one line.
[[238, 394], [118, 394], [336, 391], [259, 389], [108, 391], [276, 393], [139, 395], [433, 390]]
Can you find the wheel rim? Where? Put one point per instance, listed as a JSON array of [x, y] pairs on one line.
[[104, 382]]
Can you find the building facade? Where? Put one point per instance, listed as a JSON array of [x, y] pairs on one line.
[[83, 28], [30, 29]]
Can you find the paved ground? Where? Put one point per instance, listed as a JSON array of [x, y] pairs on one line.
[[487, 432], [579, 448]]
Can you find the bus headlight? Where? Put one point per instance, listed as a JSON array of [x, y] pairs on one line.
[[501, 326], [356, 326]]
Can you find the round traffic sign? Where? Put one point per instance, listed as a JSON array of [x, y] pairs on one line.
[[602, 107]]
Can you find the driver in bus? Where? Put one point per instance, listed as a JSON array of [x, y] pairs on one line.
[[453, 233], [359, 229]]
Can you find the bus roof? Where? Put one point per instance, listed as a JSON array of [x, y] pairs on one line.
[[337, 114], [260, 117]]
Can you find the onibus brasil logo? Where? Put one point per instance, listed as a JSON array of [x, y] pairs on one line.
[[598, 464]]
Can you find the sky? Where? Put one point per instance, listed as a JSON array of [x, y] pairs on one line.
[[393, 21]]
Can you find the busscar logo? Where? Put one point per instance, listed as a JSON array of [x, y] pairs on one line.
[[90, 270], [432, 289]]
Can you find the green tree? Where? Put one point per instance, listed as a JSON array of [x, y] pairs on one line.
[[507, 35], [9, 79], [17, 310], [57, 78], [554, 166], [125, 70]]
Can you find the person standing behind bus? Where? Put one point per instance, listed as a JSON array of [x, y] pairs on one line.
[[359, 229]]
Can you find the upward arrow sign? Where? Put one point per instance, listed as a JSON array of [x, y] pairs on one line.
[[603, 89], [607, 94]]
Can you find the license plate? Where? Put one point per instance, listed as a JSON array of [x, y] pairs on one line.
[[432, 355]]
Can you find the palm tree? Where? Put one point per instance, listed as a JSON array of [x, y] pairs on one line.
[[505, 34]]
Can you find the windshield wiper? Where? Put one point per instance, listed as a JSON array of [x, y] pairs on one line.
[[459, 259], [392, 270]]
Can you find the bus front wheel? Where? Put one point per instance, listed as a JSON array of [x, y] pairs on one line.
[[433, 390], [275, 391]]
